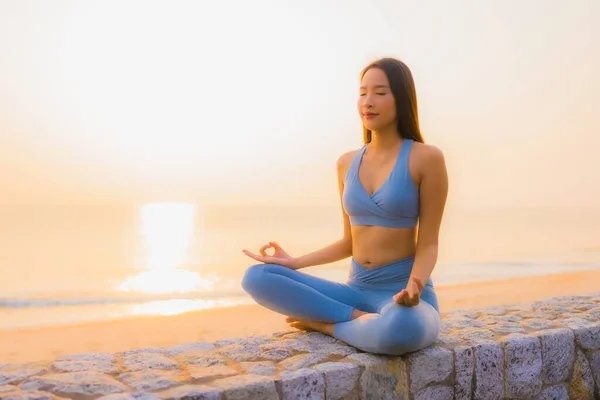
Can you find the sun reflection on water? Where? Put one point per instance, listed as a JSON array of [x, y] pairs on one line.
[[167, 281], [167, 230], [178, 306]]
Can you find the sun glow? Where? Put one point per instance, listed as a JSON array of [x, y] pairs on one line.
[[167, 230]]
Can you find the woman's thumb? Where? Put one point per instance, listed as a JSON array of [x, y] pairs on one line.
[[275, 245]]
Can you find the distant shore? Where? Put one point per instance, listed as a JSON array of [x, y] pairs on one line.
[[44, 343]]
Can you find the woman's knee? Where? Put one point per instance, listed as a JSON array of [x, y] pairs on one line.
[[253, 277], [257, 276], [408, 329]]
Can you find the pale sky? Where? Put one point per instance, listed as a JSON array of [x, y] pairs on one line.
[[246, 102]]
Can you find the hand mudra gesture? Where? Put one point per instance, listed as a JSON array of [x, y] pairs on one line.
[[410, 295], [279, 256]]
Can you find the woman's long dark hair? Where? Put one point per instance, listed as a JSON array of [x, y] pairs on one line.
[[402, 86]]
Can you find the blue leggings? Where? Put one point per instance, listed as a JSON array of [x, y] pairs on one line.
[[389, 329]]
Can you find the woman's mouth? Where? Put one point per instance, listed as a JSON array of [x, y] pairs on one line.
[[370, 115]]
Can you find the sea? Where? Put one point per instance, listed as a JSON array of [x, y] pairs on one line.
[[69, 264]]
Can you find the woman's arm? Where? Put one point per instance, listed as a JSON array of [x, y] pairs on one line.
[[342, 248], [433, 194]]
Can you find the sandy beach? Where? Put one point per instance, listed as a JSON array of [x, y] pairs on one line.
[[112, 336]]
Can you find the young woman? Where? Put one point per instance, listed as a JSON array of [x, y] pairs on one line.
[[394, 181]]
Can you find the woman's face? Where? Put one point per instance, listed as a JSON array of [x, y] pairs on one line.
[[376, 104]]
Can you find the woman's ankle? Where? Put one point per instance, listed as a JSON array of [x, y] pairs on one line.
[[357, 313]]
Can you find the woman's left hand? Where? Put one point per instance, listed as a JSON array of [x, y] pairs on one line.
[[410, 295]]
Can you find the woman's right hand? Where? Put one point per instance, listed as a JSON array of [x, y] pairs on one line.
[[279, 256]]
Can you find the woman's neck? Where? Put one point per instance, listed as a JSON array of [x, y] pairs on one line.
[[385, 140]]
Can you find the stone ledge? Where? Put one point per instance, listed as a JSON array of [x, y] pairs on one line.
[[543, 350]]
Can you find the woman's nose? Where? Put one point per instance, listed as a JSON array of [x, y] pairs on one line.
[[367, 102]]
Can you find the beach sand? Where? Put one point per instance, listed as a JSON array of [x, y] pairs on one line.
[[47, 343]]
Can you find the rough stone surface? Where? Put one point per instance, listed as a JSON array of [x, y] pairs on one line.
[[489, 371], [594, 360], [20, 372], [75, 383], [523, 361], [249, 386], [188, 392], [582, 383], [190, 348], [476, 334], [302, 361], [431, 365], [381, 379], [558, 354], [17, 394], [152, 379], [536, 324], [130, 396], [260, 367], [435, 393], [144, 361], [464, 365], [101, 362], [507, 327], [203, 360], [303, 383], [588, 337], [557, 392], [206, 374], [341, 379], [542, 350]]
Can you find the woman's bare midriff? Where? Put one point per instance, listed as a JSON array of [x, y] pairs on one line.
[[373, 246]]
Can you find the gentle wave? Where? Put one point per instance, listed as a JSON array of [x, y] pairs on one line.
[[34, 303]]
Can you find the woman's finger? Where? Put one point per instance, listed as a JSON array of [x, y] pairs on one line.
[[252, 255], [416, 294], [419, 284], [410, 293], [263, 249], [414, 300], [249, 254], [400, 297]]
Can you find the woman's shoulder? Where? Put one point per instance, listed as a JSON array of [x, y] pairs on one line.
[[345, 159], [427, 157], [427, 151]]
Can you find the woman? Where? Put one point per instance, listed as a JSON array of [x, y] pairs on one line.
[[388, 305]]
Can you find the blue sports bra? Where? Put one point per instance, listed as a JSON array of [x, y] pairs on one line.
[[395, 204]]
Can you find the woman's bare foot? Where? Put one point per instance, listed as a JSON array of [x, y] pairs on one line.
[[310, 325], [323, 327]]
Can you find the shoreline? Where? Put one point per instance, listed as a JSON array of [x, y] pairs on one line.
[[33, 344], [139, 307]]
